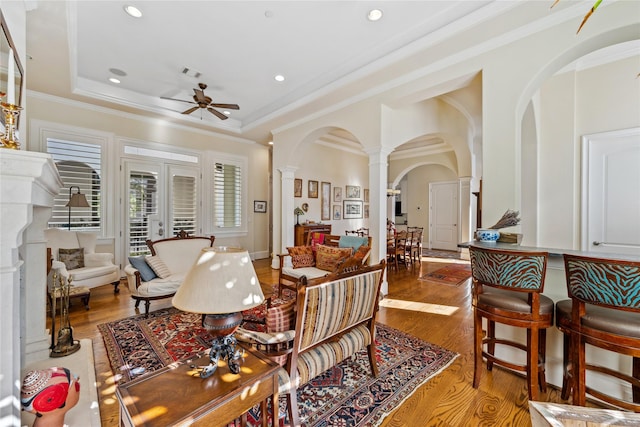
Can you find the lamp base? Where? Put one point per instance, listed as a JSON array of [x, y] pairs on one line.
[[224, 344]]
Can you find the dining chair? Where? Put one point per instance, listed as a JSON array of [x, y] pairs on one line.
[[603, 310], [507, 289]]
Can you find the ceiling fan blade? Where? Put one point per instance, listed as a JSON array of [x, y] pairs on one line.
[[174, 99], [218, 114], [200, 95], [190, 110], [227, 106]]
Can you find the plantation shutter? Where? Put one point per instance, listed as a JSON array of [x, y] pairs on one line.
[[184, 204], [79, 166], [227, 195], [143, 202]]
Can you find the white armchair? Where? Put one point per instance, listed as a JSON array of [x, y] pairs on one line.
[[95, 269]]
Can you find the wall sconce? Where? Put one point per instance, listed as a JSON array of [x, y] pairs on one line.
[[76, 200]]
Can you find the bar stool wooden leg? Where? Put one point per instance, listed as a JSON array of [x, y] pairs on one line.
[[491, 344], [477, 342]]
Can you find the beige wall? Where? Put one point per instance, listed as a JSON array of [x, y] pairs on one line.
[[321, 163], [130, 127]]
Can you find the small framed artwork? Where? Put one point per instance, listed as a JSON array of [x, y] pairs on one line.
[[353, 192], [325, 200], [297, 187], [337, 212], [366, 195], [313, 189], [352, 209], [366, 211], [260, 206], [337, 194]]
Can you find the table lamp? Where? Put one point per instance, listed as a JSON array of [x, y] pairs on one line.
[[220, 285]]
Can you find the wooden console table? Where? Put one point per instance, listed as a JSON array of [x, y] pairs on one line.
[[301, 232], [176, 396]]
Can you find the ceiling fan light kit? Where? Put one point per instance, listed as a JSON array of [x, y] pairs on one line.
[[200, 100]]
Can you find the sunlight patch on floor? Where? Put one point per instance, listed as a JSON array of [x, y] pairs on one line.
[[445, 310], [445, 260]]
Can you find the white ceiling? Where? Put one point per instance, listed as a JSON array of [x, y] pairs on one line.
[[237, 46], [321, 47]]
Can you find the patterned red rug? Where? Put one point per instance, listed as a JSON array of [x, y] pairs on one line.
[[451, 274], [346, 395]]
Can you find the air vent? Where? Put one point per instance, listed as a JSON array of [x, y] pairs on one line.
[[191, 73]]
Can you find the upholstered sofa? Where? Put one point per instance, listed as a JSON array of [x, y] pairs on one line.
[[73, 253], [160, 274], [334, 319], [321, 256]]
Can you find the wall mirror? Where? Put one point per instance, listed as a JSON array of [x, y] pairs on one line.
[[6, 45]]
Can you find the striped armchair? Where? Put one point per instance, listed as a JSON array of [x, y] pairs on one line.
[[335, 319]]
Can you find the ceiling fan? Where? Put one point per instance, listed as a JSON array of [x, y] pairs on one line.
[[203, 101]]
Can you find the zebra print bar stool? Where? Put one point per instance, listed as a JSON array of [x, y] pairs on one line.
[[604, 311], [507, 289]]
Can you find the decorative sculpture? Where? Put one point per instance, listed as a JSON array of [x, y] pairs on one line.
[[49, 394]]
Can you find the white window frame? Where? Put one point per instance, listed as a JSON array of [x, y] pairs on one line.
[[46, 130], [243, 163]]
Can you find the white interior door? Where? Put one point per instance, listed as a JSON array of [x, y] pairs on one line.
[[611, 192], [443, 212]]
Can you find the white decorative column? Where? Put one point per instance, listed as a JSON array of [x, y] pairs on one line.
[[286, 212], [28, 183], [378, 165]]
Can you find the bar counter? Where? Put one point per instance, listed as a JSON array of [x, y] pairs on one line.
[[555, 288]]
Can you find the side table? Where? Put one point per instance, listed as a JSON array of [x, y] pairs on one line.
[[176, 396]]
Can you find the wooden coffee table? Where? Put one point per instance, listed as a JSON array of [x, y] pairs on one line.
[[175, 395]]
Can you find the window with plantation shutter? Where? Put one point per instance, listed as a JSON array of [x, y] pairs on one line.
[[184, 204], [227, 187], [79, 166], [143, 202]]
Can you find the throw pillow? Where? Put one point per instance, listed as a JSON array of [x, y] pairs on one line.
[[140, 264], [302, 256], [316, 239], [362, 253], [328, 258], [158, 266], [281, 317], [72, 258]]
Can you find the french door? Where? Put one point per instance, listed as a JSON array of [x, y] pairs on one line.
[[162, 200]]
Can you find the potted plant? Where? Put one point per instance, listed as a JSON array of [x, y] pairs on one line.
[[297, 212]]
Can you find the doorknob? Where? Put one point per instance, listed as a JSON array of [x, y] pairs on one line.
[[597, 243]]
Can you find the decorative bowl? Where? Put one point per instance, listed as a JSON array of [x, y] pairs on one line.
[[488, 235]]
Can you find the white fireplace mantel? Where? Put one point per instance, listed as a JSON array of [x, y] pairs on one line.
[[28, 183]]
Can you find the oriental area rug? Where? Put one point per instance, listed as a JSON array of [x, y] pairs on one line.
[[451, 274], [346, 395]]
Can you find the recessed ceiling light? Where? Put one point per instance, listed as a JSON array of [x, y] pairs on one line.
[[270, 142], [133, 11], [279, 78], [114, 80], [374, 15]]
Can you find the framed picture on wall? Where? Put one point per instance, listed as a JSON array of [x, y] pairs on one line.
[[366, 211], [352, 209], [297, 187], [353, 192], [337, 194], [366, 195], [313, 189], [337, 212], [325, 201], [260, 206]]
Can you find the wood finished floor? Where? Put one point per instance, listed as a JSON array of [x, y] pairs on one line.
[[446, 400]]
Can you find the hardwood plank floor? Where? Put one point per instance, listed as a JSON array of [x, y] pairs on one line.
[[447, 400]]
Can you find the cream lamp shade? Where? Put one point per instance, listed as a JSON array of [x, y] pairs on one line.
[[222, 280]]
